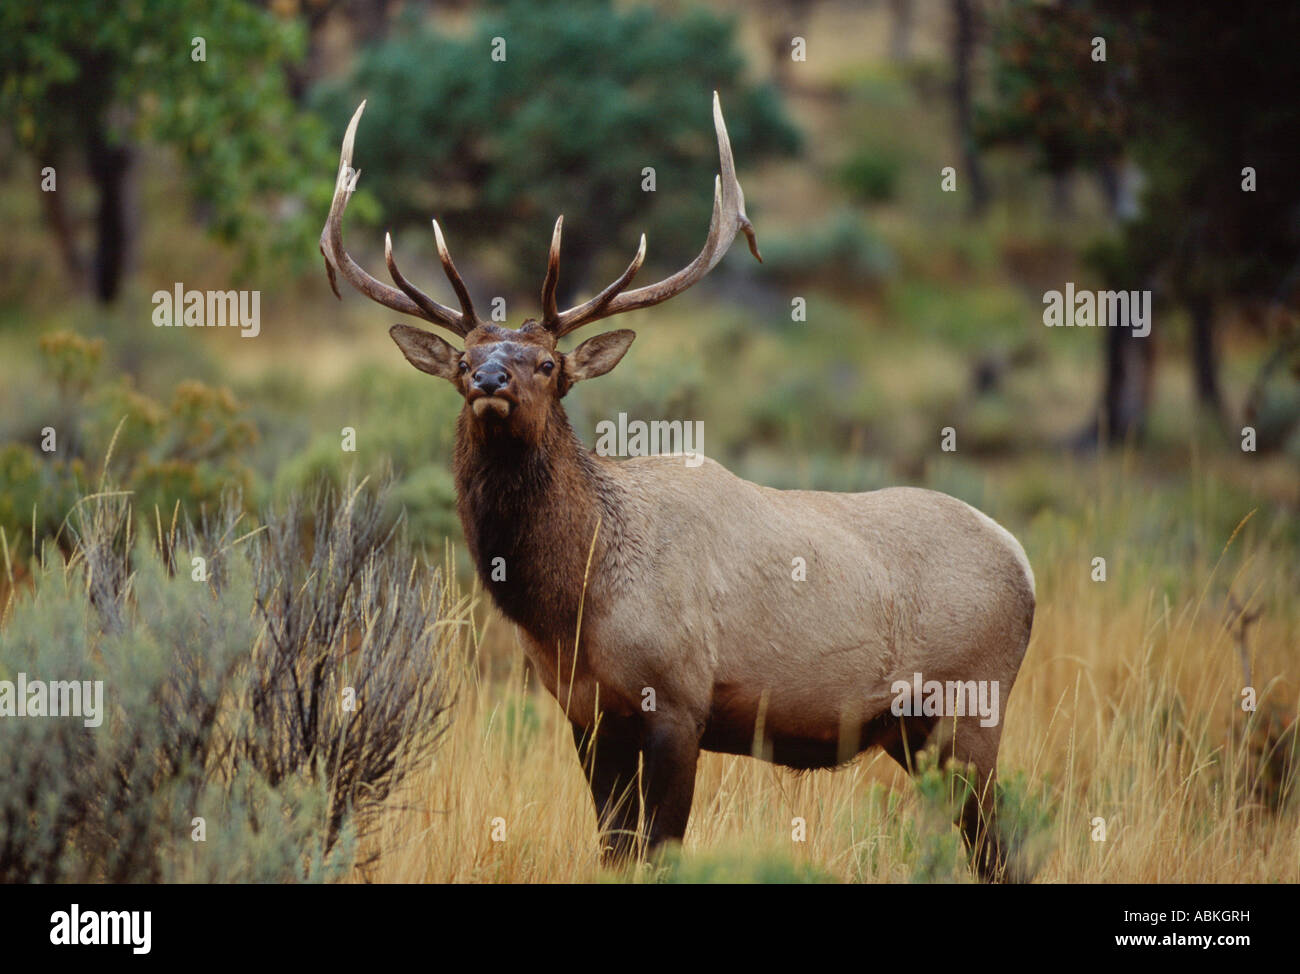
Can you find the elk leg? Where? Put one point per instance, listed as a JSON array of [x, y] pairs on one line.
[[977, 748], [979, 829], [609, 760], [671, 751]]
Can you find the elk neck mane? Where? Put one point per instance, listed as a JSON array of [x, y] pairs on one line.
[[537, 506]]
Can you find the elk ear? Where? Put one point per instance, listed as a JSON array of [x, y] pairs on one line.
[[597, 355], [426, 351]]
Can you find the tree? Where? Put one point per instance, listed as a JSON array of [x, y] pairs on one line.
[[92, 81], [1050, 94], [546, 107], [1196, 97], [965, 17]]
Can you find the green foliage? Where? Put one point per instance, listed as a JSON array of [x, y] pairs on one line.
[[888, 825], [346, 609], [588, 95], [1192, 98], [1026, 823], [871, 174], [844, 247], [938, 853], [1048, 93], [737, 867], [35, 493], [970, 319], [1273, 405], [404, 425], [85, 75], [185, 454], [427, 498], [71, 360], [115, 802], [221, 697]]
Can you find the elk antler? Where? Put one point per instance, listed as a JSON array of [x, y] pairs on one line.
[[410, 300], [728, 217]]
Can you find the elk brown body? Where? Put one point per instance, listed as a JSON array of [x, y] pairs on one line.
[[649, 581]]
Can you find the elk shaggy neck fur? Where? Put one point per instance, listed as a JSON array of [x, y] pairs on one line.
[[535, 507]]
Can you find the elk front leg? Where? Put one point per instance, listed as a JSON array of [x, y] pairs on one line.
[[671, 750], [609, 759]]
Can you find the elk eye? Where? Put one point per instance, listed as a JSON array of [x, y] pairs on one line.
[[547, 367], [464, 366]]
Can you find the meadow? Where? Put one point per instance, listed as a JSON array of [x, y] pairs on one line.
[[1126, 757]]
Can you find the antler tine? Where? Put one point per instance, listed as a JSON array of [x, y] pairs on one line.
[[591, 310], [457, 285], [409, 300], [727, 219], [550, 314], [430, 309]]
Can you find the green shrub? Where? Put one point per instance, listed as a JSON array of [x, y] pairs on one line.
[[871, 175], [71, 360], [225, 694], [844, 247], [937, 850], [186, 452], [737, 867]]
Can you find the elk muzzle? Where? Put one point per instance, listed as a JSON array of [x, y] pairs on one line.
[[489, 390], [491, 377]]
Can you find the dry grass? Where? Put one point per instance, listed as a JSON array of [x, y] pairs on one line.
[[1122, 711]]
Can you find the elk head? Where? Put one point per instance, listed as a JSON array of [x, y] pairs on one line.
[[512, 379]]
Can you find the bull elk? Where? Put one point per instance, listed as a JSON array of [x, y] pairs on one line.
[[647, 573]]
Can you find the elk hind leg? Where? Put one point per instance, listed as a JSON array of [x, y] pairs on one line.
[[976, 748], [672, 749]]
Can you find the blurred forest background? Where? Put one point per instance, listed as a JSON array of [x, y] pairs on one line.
[[1166, 161]]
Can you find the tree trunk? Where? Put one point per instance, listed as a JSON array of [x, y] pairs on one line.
[[1128, 378], [900, 30], [1062, 195], [61, 225], [1205, 359], [1127, 391], [1108, 178], [965, 12], [110, 167]]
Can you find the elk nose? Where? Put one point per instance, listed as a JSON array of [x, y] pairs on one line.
[[490, 378]]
